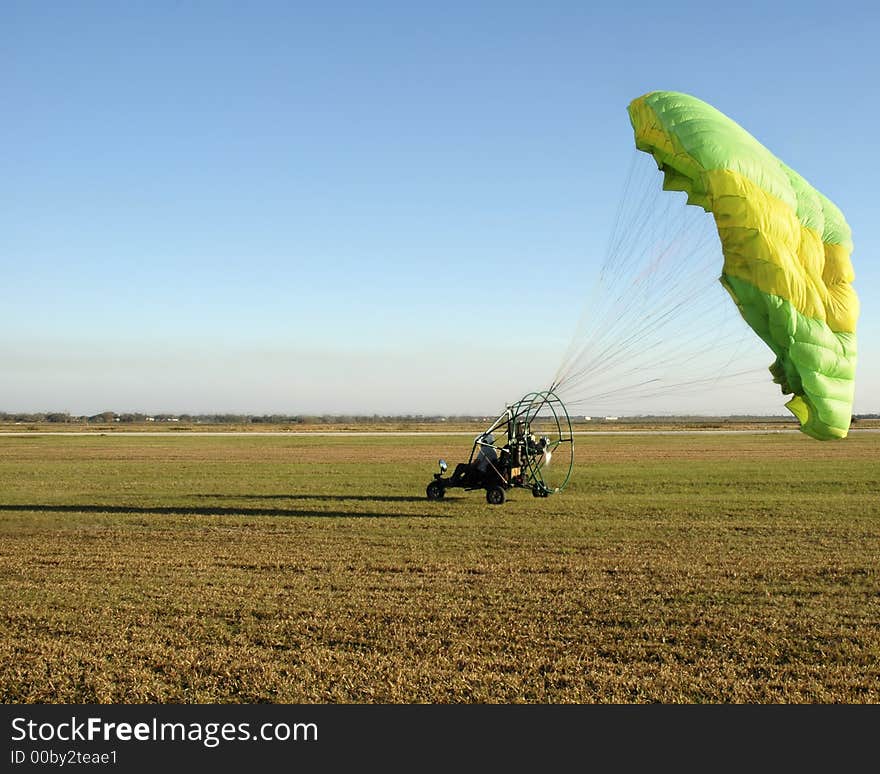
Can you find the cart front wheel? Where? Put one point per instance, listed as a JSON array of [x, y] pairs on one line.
[[435, 491]]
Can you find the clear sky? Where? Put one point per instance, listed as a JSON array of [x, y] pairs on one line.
[[308, 207]]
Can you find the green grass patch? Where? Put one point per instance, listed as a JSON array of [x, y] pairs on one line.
[[313, 570]]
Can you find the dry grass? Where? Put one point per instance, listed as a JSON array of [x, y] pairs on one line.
[[312, 570]]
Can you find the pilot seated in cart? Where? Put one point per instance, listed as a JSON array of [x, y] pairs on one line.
[[482, 470]]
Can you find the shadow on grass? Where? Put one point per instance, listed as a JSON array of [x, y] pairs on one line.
[[336, 498], [186, 510]]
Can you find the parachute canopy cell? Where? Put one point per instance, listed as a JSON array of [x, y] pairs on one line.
[[786, 250]]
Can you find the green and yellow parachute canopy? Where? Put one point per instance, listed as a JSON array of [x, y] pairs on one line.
[[786, 250]]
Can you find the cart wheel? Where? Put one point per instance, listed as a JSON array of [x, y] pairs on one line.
[[495, 495], [435, 491]]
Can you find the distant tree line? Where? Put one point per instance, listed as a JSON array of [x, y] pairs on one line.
[[329, 419], [224, 419]]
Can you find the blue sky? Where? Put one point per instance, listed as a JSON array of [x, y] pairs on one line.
[[310, 207]]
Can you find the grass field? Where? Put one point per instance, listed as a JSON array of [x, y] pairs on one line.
[[686, 568]]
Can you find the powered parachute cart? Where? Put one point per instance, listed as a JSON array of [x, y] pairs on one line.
[[530, 446]]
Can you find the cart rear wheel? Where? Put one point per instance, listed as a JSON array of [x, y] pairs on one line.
[[495, 495], [435, 491]]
